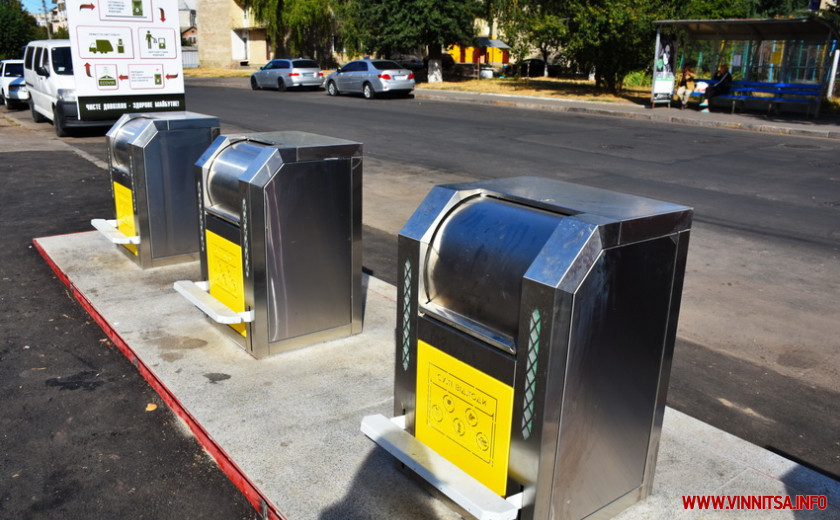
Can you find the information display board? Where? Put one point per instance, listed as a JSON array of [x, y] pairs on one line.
[[126, 56], [664, 67]]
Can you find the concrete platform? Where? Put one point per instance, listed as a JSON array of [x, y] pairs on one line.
[[286, 429]]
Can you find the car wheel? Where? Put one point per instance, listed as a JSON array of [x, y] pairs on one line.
[[332, 89], [36, 116], [281, 85], [3, 100], [58, 123], [368, 91], [254, 85]]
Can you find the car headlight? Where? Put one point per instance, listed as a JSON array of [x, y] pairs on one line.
[[67, 94]]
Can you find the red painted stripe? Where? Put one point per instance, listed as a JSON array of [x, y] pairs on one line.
[[257, 499]]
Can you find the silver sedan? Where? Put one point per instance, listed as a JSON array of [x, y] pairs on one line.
[[371, 78], [285, 73]]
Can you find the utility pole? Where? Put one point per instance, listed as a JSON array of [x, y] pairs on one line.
[[46, 19]]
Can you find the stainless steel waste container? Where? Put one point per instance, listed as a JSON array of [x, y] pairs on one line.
[[281, 220], [535, 330], [151, 160]]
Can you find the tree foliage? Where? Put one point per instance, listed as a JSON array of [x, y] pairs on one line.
[[713, 9], [297, 27], [17, 28], [270, 14], [612, 37], [310, 27], [390, 26], [615, 37], [535, 25]]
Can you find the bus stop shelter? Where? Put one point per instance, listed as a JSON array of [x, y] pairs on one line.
[[790, 50]]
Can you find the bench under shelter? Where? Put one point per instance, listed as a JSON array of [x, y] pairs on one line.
[[777, 64]]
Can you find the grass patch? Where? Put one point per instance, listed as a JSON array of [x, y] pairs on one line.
[[544, 87], [219, 72]]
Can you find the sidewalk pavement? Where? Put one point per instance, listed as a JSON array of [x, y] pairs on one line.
[[286, 428]]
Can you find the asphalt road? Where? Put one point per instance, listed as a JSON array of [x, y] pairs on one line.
[[757, 351]]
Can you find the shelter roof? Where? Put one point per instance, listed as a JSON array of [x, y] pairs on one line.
[[810, 28], [489, 42]]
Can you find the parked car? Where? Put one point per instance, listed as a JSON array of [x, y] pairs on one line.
[[371, 78], [447, 62], [535, 68], [13, 91], [409, 61], [288, 73]]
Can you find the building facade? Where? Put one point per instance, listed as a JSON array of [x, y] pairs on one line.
[[229, 35]]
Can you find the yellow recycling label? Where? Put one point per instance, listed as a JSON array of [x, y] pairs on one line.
[[464, 415], [124, 203], [225, 275]]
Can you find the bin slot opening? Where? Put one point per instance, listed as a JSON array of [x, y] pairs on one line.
[[475, 263], [469, 326]]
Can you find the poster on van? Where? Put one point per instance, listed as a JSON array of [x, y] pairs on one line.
[[126, 57]]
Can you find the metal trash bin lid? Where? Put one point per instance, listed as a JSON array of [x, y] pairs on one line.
[[476, 261], [122, 137]]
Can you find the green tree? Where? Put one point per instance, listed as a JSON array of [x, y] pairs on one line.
[[269, 13], [714, 9], [297, 27], [530, 25], [777, 8], [615, 37], [548, 32], [384, 27], [61, 33], [310, 27], [17, 28]]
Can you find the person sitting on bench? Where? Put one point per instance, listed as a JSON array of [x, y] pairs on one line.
[[722, 81], [685, 85]]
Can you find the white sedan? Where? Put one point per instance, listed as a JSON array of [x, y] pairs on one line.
[[13, 91], [371, 78]]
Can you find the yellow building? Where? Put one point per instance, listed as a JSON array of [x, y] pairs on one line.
[[230, 36], [485, 50]]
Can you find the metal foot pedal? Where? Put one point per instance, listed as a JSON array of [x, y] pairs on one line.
[[449, 479], [109, 229], [196, 293]]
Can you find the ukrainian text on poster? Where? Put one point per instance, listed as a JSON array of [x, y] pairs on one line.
[[125, 49]]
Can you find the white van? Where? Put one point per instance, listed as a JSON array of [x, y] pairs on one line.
[[48, 71]]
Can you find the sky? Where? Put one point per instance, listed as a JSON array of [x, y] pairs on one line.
[[35, 6]]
